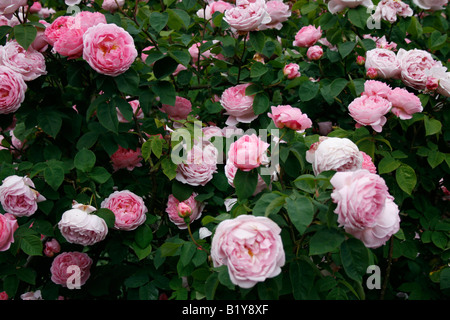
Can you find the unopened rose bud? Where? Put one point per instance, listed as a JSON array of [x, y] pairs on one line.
[[360, 60], [52, 247], [291, 71], [314, 53], [432, 83], [372, 73], [184, 211]]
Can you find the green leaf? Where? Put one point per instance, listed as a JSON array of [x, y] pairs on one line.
[[4, 30], [50, 122], [165, 91], [143, 236], [211, 285], [54, 176], [258, 69], [355, 258], [406, 178], [325, 240], [107, 116], [444, 278], [99, 175], [85, 160], [128, 82], [27, 275], [388, 164], [245, 183], [358, 16], [169, 249], [106, 215], [164, 67], [345, 48], [300, 211], [257, 40], [25, 34], [302, 278], [261, 103], [158, 20], [269, 203], [415, 28], [308, 90], [432, 126], [181, 191], [31, 245], [188, 251], [178, 19], [169, 168]]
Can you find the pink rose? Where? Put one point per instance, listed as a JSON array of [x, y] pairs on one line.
[[384, 61], [307, 36], [444, 85], [251, 248], [433, 5], [247, 15], [137, 111], [3, 295], [404, 103], [29, 63], [368, 163], [109, 49], [52, 247], [332, 153], [61, 273], [376, 88], [79, 226], [180, 110], [372, 73], [172, 209], [414, 64], [230, 173], [335, 6], [112, 5], [12, 90], [36, 7], [389, 9], [364, 206], [144, 55], [200, 165], [291, 71], [8, 7], [195, 53], [211, 8], [40, 42], [248, 152], [314, 53], [370, 111], [292, 118], [8, 225], [279, 12], [19, 197], [126, 159], [58, 28], [238, 106], [128, 208]]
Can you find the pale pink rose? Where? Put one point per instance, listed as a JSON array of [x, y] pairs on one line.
[[444, 85], [211, 8], [384, 61], [238, 106], [414, 64], [432, 83], [370, 111], [59, 268], [112, 5], [137, 111], [251, 248], [376, 88], [52, 247], [364, 206], [128, 208], [230, 172], [29, 63], [19, 197], [109, 49], [368, 163], [199, 166], [433, 5], [332, 153], [389, 9], [46, 12], [335, 6], [12, 90], [36, 7], [291, 71], [31, 295], [279, 12], [247, 15], [86, 19], [126, 159], [180, 110], [404, 103], [314, 52], [195, 206], [58, 28], [8, 7], [79, 226], [307, 36], [292, 118], [210, 132], [248, 152], [8, 225]]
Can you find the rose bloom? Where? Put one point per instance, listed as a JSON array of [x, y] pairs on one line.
[[314, 53], [368, 163], [180, 110], [3, 295], [19, 197], [58, 28], [291, 70], [414, 64], [251, 248], [31, 295], [364, 206], [335, 6], [40, 42], [52, 247], [248, 152], [247, 15], [238, 105], [60, 274], [211, 8], [172, 209], [200, 165], [109, 49], [128, 208], [371, 73], [332, 153], [376, 88], [79, 226], [8, 7], [126, 159], [12, 90], [111, 5], [230, 172], [292, 118], [433, 5], [389, 9], [279, 12], [29, 63], [8, 225], [404, 103], [137, 111], [384, 61], [370, 111], [307, 36]]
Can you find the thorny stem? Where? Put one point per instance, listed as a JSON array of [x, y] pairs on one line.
[[192, 237]]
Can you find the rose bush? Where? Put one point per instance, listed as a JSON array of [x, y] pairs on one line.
[[210, 150]]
